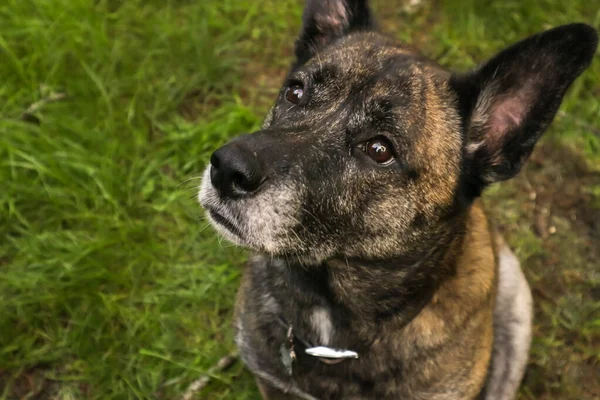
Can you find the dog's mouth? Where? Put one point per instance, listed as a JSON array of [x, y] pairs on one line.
[[226, 223], [263, 222]]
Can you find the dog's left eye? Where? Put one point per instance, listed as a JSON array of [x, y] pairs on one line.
[[380, 150], [294, 93]]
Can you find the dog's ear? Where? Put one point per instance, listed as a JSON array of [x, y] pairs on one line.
[[324, 21], [508, 102]]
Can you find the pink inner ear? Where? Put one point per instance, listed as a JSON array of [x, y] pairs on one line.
[[335, 19], [504, 116]]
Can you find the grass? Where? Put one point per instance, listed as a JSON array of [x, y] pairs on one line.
[[112, 287]]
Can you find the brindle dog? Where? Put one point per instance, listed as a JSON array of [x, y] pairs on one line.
[[360, 196]]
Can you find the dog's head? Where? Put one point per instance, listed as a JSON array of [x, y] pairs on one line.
[[371, 149]]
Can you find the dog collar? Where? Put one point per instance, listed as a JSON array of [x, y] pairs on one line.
[[327, 355], [330, 353]]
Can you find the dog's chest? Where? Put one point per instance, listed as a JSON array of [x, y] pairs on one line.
[[272, 305], [309, 377]]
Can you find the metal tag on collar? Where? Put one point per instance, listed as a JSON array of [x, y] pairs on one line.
[[287, 352], [328, 352]]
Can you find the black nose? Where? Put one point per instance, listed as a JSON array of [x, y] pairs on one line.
[[235, 170]]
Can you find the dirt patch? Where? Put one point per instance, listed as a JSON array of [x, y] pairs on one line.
[[198, 102], [264, 82], [415, 18], [31, 384]]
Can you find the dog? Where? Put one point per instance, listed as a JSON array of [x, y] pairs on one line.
[[376, 273]]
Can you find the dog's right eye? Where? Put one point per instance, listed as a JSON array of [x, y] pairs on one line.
[[380, 150], [294, 93]]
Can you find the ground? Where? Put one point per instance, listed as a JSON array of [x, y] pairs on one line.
[[111, 284]]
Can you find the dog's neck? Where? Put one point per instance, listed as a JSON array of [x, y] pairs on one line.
[[392, 290], [347, 302]]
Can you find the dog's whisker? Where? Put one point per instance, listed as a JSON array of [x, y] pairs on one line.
[[187, 180], [315, 219], [204, 228]]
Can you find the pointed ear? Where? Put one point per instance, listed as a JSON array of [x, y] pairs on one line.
[[324, 21], [508, 102]]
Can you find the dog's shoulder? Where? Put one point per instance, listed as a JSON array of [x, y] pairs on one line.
[[461, 311]]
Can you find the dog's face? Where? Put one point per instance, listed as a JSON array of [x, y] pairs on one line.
[[371, 149], [363, 142]]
